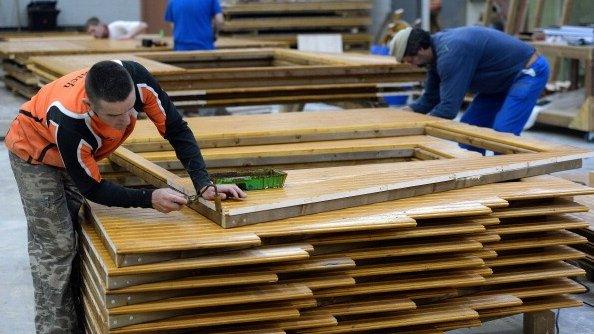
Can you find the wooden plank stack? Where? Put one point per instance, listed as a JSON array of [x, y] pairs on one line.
[[283, 20], [436, 258], [423, 264], [587, 262], [255, 76], [15, 53]]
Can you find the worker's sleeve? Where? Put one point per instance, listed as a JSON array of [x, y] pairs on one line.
[[456, 73], [216, 8], [169, 12], [161, 111], [430, 97], [81, 166]]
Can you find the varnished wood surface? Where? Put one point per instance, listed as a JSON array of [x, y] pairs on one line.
[[84, 44], [378, 182], [308, 152], [541, 288], [406, 251], [235, 63], [534, 273], [145, 230], [241, 257], [548, 254], [421, 316], [548, 303], [349, 186], [236, 7], [238, 130]]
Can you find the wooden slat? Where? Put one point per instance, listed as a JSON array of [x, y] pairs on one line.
[[539, 224], [242, 130], [533, 289], [559, 206], [294, 153], [413, 248], [297, 197], [421, 231], [375, 306], [213, 319], [406, 318], [416, 265], [308, 320], [322, 282], [536, 305], [242, 257], [314, 264], [292, 23], [152, 173], [243, 8], [549, 254], [484, 302], [408, 284], [535, 241], [533, 273], [202, 281], [253, 294]]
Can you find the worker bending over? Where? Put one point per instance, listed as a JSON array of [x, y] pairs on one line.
[[506, 74], [55, 143], [118, 30]]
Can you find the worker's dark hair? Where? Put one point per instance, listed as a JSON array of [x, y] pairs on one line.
[[93, 21], [108, 81], [418, 39]]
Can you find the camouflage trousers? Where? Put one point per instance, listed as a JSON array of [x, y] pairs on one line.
[[51, 202]]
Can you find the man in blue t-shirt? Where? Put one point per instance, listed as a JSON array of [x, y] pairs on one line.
[[193, 22], [506, 74]]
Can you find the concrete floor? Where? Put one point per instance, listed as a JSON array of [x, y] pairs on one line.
[[16, 294]]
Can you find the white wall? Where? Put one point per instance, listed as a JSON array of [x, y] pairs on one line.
[[378, 13], [72, 12], [474, 9]]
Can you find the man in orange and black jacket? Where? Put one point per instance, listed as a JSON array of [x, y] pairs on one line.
[[55, 143]]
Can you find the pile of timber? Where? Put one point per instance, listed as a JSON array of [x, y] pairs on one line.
[[420, 262], [587, 262], [284, 20], [256, 76], [15, 53], [25, 34]]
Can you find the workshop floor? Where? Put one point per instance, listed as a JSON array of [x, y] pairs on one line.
[[16, 292]]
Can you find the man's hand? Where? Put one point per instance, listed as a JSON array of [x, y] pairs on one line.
[[167, 200], [225, 191]]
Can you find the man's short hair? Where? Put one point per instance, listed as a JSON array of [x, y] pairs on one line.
[[93, 21], [108, 81], [418, 39]]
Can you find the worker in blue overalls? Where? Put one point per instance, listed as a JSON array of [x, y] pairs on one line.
[[195, 23], [506, 74]]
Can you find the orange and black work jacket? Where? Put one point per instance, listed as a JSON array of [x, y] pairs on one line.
[[56, 128]]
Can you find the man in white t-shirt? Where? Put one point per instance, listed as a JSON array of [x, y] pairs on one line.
[[115, 30]]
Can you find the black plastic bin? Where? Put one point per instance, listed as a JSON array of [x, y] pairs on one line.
[[42, 15]]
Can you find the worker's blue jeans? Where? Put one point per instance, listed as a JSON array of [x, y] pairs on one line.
[[509, 112]]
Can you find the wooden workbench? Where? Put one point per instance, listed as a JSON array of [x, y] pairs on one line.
[[284, 20], [256, 76], [423, 264]]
